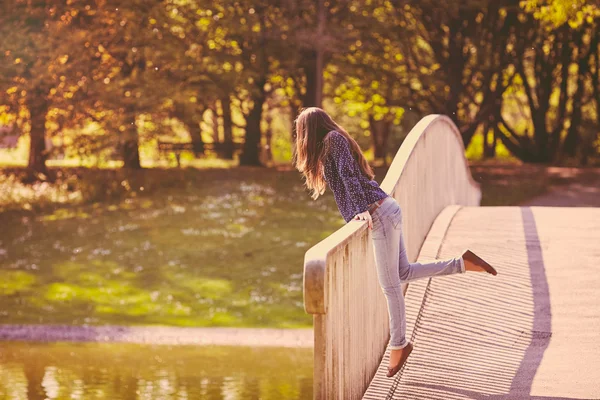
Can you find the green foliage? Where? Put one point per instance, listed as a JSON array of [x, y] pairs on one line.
[[556, 13], [475, 150], [108, 80]]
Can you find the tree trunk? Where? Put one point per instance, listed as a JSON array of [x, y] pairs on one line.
[[320, 53], [380, 131], [38, 109], [293, 117], [269, 138], [489, 142], [573, 135], [183, 114], [215, 125], [250, 154], [572, 138], [196, 136], [311, 73], [456, 66], [131, 149], [494, 143], [227, 128]]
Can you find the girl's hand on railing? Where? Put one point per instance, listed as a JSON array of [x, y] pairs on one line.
[[364, 216]]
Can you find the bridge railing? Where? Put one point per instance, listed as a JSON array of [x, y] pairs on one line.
[[341, 290]]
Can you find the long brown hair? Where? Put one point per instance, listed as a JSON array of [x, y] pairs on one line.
[[312, 144]]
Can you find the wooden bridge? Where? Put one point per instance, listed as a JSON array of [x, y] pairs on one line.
[[533, 331]]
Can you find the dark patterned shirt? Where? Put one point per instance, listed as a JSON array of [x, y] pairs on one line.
[[352, 190]]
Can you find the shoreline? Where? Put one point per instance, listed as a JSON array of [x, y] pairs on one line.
[[159, 335]]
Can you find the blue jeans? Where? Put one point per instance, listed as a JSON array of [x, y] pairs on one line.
[[393, 267]]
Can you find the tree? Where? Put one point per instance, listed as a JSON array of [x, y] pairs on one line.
[[207, 70], [555, 78], [369, 79], [129, 41], [456, 57], [37, 40]]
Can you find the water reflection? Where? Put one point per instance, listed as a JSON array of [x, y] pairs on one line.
[[136, 372]]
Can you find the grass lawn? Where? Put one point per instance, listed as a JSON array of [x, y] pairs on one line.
[[208, 248], [213, 247]]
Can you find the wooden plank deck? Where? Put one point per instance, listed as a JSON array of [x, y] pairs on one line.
[[532, 332]]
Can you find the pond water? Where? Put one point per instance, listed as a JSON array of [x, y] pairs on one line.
[[38, 371]]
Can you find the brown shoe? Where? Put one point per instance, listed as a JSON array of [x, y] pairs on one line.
[[468, 255], [405, 353]]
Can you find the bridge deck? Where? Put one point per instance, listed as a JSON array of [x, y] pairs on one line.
[[530, 332]]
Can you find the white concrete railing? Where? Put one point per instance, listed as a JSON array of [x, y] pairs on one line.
[[428, 173]]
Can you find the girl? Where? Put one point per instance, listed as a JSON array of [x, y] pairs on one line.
[[327, 155]]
